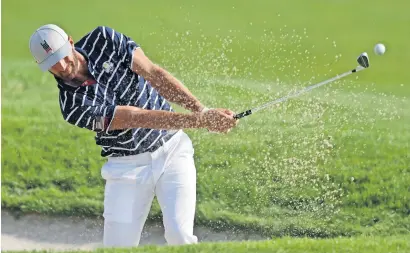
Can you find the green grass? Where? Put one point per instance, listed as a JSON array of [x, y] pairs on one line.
[[334, 162], [284, 245]]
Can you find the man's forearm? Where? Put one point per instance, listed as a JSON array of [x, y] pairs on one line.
[[133, 117], [174, 91]]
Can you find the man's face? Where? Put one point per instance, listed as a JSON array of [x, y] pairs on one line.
[[68, 67]]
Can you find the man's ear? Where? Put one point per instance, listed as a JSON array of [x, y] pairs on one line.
[[70, 39]]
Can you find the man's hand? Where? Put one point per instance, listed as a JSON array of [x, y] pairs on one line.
[[218, 120]]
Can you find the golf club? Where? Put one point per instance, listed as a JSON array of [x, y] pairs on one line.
[[363, 61]]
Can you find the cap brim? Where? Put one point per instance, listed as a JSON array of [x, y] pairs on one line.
[[64, 51]]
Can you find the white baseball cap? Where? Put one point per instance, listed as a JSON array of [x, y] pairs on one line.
[[49, 44]]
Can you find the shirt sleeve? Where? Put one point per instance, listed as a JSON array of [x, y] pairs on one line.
[[80, 111], [124, 45]]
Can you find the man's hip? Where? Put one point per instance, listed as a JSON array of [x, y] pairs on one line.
[[141, 166]]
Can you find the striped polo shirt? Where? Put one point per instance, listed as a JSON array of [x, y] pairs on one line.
[[92, 105]]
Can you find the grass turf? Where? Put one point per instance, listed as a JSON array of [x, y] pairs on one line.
[[332, 162], [283, 245]]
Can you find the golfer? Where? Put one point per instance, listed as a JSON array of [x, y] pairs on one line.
[[107, 85]]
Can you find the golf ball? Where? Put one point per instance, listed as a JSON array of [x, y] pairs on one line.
[[379, 49]]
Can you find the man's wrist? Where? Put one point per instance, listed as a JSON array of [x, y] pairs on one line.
[[201, 116]]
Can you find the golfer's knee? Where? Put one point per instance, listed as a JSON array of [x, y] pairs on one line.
[[176, 235]]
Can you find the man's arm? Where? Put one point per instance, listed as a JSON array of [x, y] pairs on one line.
[[166, 84], [134, 117], [105, 118]]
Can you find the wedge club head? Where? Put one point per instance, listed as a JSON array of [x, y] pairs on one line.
[[363, 60]]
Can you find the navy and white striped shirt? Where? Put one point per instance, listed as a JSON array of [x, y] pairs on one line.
[[92, 105]]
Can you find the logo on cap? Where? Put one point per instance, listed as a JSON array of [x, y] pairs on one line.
[[46, 47]]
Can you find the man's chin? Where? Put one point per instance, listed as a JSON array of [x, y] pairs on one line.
[[68, 77]]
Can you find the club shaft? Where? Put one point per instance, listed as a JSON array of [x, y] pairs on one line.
[[282, 99]]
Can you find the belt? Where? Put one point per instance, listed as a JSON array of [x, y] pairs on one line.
[[163, 140]]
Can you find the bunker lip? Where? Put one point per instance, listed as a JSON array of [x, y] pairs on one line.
[[38, 232]]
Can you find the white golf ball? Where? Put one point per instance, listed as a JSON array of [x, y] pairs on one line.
[[379, 49]]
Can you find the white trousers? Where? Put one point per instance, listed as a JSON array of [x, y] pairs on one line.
[[131, 184]]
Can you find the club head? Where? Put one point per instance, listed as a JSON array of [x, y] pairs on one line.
[[363, 60]]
